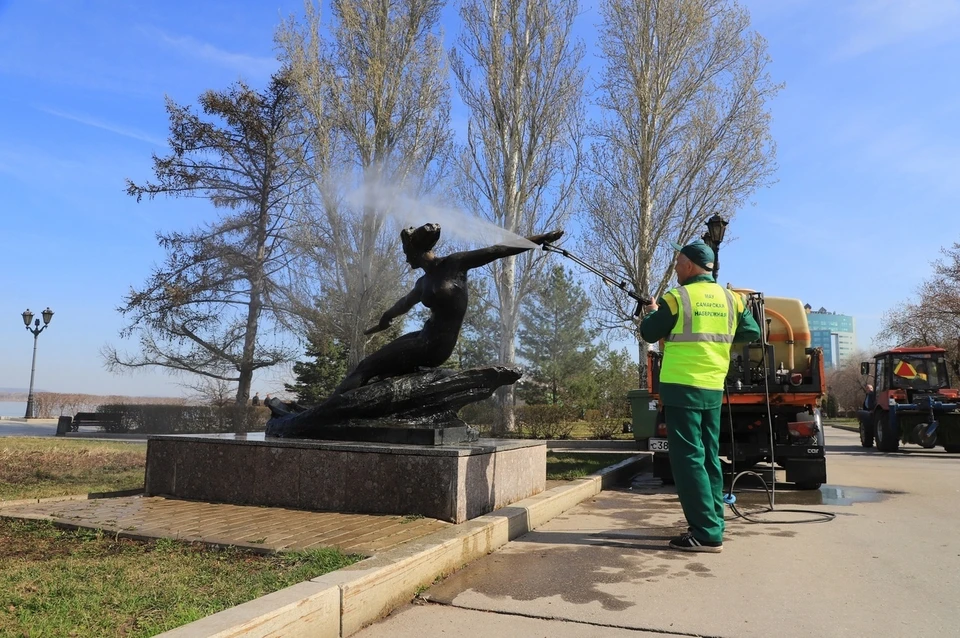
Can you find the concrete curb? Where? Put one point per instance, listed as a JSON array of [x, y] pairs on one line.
[[106, 436], [341, 603], [591, 445], [71, 497], [850, 428]]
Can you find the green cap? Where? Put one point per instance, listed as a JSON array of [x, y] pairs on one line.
[[698, 252]]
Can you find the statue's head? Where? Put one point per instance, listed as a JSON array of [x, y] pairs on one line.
[[419, 241]]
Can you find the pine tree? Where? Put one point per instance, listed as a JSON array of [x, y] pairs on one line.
[[317, 379], [555, 339], [480, 336], [616, 375]]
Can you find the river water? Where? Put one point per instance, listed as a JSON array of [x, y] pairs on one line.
[[13, 408]]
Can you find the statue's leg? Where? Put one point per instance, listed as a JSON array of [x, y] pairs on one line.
[[397, 357]]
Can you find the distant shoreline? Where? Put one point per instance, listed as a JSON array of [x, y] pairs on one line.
[[21, 397]]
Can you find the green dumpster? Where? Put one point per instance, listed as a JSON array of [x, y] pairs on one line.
[[644, 411]]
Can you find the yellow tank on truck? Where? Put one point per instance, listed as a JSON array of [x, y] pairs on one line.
[[787, 321]]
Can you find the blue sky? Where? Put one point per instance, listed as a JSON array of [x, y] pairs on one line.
[[867, 133]]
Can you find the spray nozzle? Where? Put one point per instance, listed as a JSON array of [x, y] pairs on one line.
[[730, 498]]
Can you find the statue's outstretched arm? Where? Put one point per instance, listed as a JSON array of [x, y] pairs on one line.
[[483, 256], [402, 306]]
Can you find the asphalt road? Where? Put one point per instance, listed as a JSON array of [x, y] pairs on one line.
[[48, 427], [38, 427], [887, 565]]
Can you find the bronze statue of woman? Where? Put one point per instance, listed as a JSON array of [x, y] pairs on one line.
[[442, 289]]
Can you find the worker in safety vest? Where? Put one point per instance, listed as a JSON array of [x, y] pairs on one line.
[[699, 322]]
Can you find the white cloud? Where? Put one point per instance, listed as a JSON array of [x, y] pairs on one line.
[[252, 66], [881, 23], [106, 126], [913, 150]]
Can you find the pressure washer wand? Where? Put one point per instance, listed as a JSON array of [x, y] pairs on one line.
[[641, 301]]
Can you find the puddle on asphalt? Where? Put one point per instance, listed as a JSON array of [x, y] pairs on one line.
[[749, 490], [826, 495]]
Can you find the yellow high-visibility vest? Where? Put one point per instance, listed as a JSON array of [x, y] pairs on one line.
[[697, 351]]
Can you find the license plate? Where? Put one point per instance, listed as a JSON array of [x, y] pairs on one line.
[[658, 445]]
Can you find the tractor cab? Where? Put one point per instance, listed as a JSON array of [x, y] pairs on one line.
[[912, 401], [902, 374]]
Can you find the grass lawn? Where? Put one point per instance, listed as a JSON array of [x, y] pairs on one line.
[[83, 583], [567, 466], [581, 430], [37, 467]]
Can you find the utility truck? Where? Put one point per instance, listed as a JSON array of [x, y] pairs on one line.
[[771, 407]]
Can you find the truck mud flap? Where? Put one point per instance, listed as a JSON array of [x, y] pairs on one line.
[[806, 471]]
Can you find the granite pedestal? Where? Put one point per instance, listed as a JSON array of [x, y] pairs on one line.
[[451, 482]]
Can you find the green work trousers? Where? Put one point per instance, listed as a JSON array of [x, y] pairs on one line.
[[694, 437]]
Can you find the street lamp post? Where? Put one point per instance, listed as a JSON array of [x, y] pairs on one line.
[[36, 330], [716, 229]]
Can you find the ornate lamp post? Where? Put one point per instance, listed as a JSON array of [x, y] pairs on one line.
[[36, 330], [716, 229]]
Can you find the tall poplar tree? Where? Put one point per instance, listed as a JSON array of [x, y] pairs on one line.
[[518, 72], [683, 133]]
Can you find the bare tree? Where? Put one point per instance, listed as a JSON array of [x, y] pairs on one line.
[[684, 134], [934, 318], [209, 391], [518, 72], [375, 120], [201, 312], [846, 384]]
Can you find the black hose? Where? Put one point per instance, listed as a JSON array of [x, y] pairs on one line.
[[820, 516]]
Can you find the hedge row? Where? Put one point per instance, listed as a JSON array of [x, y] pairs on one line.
[[186, 419], [546, 421]]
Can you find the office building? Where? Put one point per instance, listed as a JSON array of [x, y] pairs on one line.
[[834, 333]]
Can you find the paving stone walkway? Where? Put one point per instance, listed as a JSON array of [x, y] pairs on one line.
[[262, 528]]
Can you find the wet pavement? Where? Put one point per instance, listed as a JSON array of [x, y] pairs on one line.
[[827, 495], [888, 564]]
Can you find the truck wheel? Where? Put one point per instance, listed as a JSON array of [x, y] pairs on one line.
[[953, 448], [866, 434], [662, 469], [887, 439]]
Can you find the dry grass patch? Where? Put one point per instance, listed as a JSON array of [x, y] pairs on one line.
[[83, 583], [33, 467]]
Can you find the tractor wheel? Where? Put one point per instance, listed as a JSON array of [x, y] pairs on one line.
[[953, 448], [866, 433], [887, 439]]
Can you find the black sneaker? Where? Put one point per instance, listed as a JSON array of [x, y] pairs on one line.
[[688, 543]]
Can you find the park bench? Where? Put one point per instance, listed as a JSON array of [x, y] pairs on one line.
[[98, 419]]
